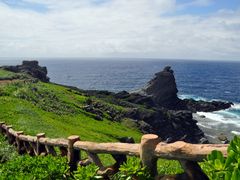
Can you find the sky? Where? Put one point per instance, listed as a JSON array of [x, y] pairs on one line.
[[173, 29]]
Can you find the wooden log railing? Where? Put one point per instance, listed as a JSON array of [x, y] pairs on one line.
[[149, 149]]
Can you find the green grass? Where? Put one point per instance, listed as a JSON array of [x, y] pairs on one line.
[[6, 74], [41, 107]]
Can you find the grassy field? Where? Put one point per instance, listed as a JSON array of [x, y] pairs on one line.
[[34, 107], [55, 110]]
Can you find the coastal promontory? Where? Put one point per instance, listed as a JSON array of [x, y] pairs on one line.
[[155, 108]]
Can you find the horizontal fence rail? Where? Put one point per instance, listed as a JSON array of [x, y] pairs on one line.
[[149, 149]]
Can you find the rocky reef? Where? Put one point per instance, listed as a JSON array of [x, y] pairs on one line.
[[30, 67]]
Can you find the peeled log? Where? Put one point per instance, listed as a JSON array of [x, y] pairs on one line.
[[28, 138], [185, 151], [108, 148], [54, 142]]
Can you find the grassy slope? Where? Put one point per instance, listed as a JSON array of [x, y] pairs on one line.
[[6, 74], [57, 111]]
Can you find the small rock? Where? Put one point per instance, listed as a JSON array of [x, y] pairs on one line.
[[98, 118]]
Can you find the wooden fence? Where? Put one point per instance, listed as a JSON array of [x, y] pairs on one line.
[[149, 150]]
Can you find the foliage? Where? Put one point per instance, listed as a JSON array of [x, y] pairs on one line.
[[169, 167], [7, 152], [132, 169], [38, 167], [87, 173], [218, 167]]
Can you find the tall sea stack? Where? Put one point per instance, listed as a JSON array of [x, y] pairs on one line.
[[163, 89]]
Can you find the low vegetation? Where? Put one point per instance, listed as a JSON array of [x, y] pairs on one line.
[[218, 167], [38, 167], [132, 169], [7, 152], [57, 111]]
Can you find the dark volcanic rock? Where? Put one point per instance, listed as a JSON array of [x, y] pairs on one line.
[[169, 117], [156, 109], [204, 106], [135, 98], [32, 68], [163, 89]]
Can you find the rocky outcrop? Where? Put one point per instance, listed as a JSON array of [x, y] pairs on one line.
[[32, 68], [163, 89], [168, 116], [170, 125], [157, 109], [204, 106]]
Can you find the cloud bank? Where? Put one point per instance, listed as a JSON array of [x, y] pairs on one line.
[[118, 28]]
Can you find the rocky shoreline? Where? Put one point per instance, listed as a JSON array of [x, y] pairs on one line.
[[155, 108]]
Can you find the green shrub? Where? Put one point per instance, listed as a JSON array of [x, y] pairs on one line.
[[38, 167], [132, 169], [169, 167], [7, 152], [218, 167], [87, 173]]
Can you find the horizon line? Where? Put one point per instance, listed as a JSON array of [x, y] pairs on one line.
[[118, 58]]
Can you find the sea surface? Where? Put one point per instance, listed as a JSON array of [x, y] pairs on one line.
[[206, 80]]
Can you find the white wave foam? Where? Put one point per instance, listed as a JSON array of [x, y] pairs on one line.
[[202, 125], [229, 118], [189, 96], [211, 136], [221, 117], [228, 114], [235, 132], [235, 106]]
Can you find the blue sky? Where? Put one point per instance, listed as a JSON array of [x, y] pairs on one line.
[[199, 7], [209, 6], [191, 29]]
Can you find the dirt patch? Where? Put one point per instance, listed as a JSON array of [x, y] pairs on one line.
[[7, 81]]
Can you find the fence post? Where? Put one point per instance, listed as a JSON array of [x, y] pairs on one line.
[[73, 155], [1, 128], [39, 147], [147, 147], [9, 137], [19, 143]]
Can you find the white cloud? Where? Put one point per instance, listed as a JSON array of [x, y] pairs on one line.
[[135, 28]]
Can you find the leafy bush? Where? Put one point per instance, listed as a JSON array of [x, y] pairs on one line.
[[169, 167], [132, 169], [87, 173], [38, 167], [218, 167], [7, 152]]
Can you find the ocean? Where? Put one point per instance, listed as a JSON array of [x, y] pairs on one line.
[[206, 80]]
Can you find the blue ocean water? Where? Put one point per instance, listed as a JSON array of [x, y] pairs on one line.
[[207, 80]]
